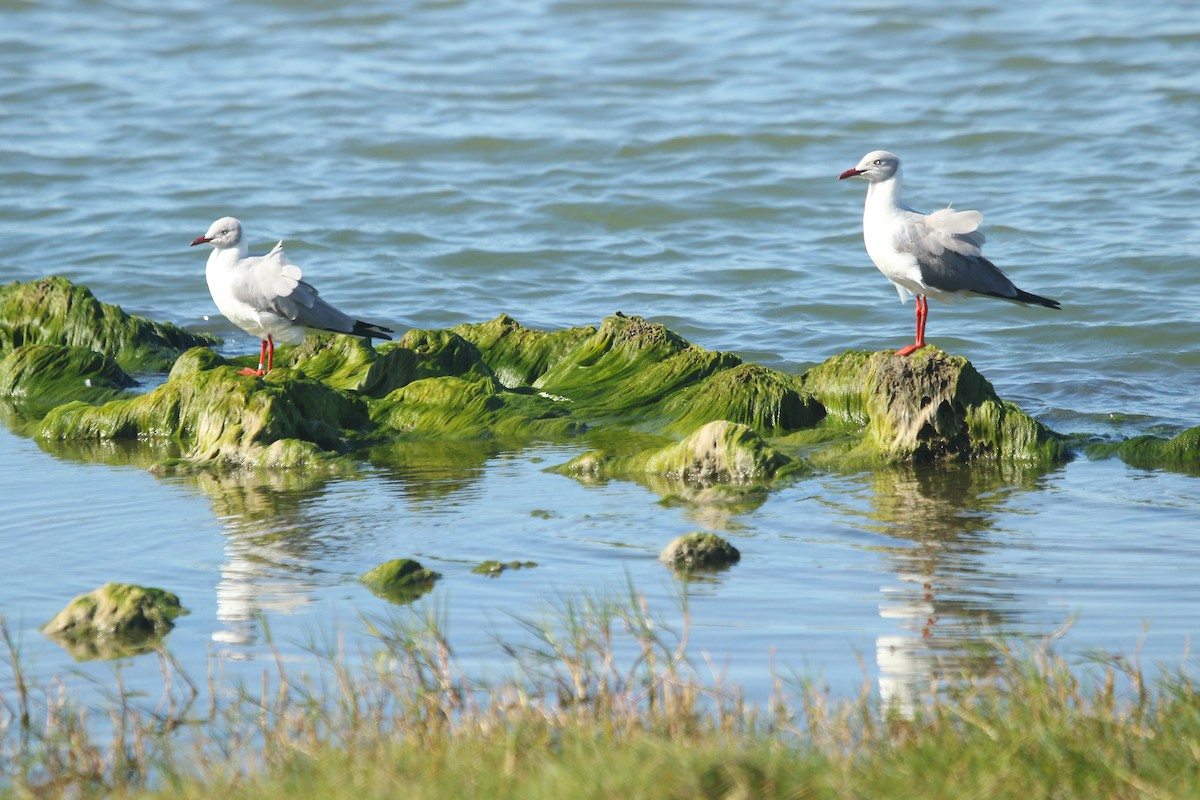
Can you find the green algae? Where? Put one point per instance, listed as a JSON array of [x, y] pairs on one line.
[[627, 367], [493, 569], [55, 311], [400, 580], [222, 418], [927, 408], [620, 382], [519, 356], [1180, 453], [699, 551], [461, 408], [767, 401], [719, 452], [115, 621], [36, 378]]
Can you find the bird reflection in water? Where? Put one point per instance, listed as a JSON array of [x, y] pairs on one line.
[[947, 599]]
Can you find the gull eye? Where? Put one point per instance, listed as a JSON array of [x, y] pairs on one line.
[[878, 161]]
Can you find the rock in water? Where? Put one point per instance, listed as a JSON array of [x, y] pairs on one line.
[[116, 620], [930, 407]]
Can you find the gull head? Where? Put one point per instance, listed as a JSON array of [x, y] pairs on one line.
[[225, 232], [878, 165]]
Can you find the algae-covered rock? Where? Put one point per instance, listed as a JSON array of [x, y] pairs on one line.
[[768, 401], [519, 356], [116, 620], [699, 551], [627, 367], [719, 452], [457, 408], [38, 377], [421, 354], [493, 569], [1180, 453], [401, 580], [55, 311], [928, 407], [222, 418]]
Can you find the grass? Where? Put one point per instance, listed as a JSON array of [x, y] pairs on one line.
[[603, 702]]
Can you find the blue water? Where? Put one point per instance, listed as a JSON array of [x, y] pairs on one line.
[[430, 163]]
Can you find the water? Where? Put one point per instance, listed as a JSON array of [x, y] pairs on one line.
[[430, 163]]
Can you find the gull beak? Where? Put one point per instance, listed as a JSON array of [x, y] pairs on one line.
[[200, 240], [850, 173]]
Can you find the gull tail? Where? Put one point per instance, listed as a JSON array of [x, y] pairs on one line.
[[1025, 298], [1034, 299], [370, 331]]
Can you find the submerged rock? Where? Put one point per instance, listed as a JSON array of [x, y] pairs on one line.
[[401, 580], [926, 408], [55, 311], [1180, 453], [699, 551], [222, 418], [38, 377], [493, 569], [116, 620]]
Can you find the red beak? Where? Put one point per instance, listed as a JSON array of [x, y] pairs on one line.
[[199, 240], [850, 173]]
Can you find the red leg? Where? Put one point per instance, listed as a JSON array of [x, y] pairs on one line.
[[270, 353], [262, 354], [922, 315]]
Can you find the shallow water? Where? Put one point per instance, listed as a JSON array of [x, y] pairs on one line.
[[440, 162]]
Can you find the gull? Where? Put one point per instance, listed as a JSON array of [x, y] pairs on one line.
[[928, 255], [264, 296]]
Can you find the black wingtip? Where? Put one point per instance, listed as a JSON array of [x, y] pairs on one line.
[[1025, 298], [369, 330]]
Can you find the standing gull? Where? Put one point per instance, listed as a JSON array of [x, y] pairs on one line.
[[928, 255], [264, 296]]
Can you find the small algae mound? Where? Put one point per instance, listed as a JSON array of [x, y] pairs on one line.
[[703, 551], [1179, 454], [927, 408], [493, 569], [38, 377], [719, 452], [114, 621], [400, 580], [222, 418], [55, 311]]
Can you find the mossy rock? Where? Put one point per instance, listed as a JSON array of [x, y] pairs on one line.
[[401, 580], [221, 418], [519, 356], [116, 620], [719, 452], [38, 377], [929, 407], [699, 551], [1180, 453], [627, 367], [55, 311], [768, 401], [493, 569], [453, 408]]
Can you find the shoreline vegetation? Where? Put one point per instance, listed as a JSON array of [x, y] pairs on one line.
[[604, 701]]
